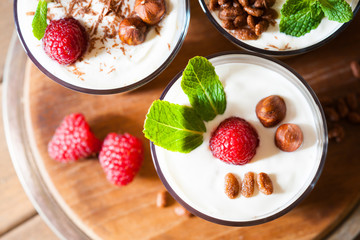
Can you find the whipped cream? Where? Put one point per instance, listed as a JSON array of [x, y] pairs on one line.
[[272, 39], [198, 177], [108, 64]]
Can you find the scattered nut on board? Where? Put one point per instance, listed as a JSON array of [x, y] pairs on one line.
[[337, 133], [355, 67], [181, 211], [161, 199], [338, 109]]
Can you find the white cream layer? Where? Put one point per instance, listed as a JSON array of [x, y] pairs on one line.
[[274, 40], [198, 177], [107, 67]]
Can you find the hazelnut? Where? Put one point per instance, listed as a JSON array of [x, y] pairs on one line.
[[271, 110], [150, 11], [288, 137], [132, 31]]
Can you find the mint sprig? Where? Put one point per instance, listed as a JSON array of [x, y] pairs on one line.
[[337, 10], [174, 127], [203, 88], [180, 128], [39, 22], [299, 17]]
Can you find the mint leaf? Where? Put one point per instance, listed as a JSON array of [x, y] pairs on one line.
[[337, 10], [203, 88], [39, 22], [174, 127], [291, 7], [300, 18]]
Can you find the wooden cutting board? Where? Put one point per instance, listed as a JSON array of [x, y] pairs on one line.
[[108, 212]]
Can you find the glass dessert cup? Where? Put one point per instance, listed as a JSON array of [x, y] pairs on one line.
[[98, 85], [186, 176], [281, 45]]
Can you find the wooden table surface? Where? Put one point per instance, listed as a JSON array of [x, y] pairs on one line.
[[18, 218]]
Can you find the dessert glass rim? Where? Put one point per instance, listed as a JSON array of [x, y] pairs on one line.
[[305, 193], [273, 53], [127, 88]]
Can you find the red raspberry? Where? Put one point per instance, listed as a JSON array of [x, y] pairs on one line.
[[73, 140], [121, 157], [65, 40], [234, 141]]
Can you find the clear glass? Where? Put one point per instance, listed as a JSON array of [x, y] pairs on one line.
[[273, 53], [320, 129], [183, 20]]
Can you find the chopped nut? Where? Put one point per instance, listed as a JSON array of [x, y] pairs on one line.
[[232, 186], [354, 117], [261, 27], [161, 199], [240, 21], [270, 15], [222, 2], [251, 22], [355, 67], [228, 24], [244, 2], [331, 114], [254, 11], [248, 184], [181, 211], [342, 108], [213, 5], [264, 183], [264, 3], [245, 34], [352, 101], [337, 133], [229, 13]]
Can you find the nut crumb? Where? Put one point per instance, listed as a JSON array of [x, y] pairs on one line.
[[336, 133], [181, 211], [161, 199], [355, 68]]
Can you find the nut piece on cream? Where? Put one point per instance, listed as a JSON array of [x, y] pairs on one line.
[[271, 110], [132, 31], [150, 11], [288, 137]]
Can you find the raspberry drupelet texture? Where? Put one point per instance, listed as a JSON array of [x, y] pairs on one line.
[[234, 141], [73, 140], [65, 40], [121, 157]]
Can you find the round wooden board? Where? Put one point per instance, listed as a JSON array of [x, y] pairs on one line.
[[107, 212]]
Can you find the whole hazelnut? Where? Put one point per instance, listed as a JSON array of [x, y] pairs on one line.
[[288, 137], [132, 31], [150, 11], [271, 110]]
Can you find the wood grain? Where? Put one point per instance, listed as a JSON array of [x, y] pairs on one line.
[[110, 212], [6, 25], [15, 207], [35, 228]]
